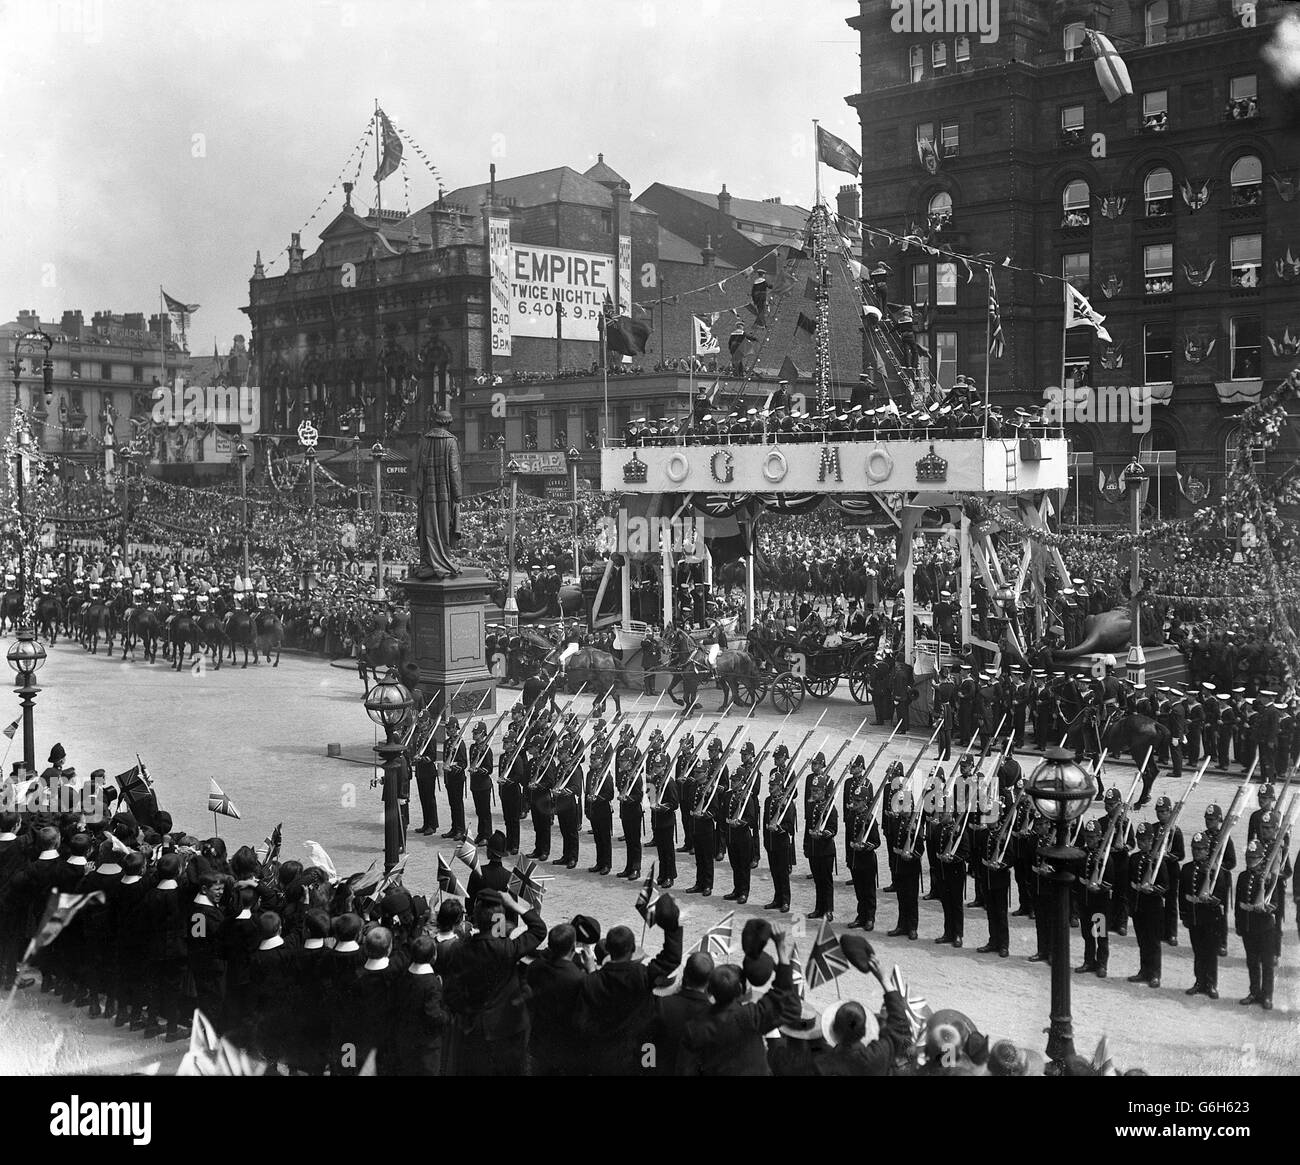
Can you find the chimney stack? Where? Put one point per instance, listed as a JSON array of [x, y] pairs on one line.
[[295, 253], [71, 325], [846, 203], [724, 200], [706, 252]]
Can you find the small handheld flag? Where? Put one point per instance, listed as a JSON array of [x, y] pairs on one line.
[[717, 939], [59, 911], [219, 802], [466, 853], [447, 880], [11, 729], [527, 884], [916, 1007], [648, 896], [827, 961]]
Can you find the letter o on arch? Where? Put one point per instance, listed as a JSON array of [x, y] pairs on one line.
[[775, 466], [677, 468]]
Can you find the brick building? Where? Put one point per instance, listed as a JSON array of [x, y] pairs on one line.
[[393, 313], [1172, 210], [104, 375]]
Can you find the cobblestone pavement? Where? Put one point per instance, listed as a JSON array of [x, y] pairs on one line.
[[263, 733]]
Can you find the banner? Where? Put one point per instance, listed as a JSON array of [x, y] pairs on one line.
[[499, 252], [624, 300], [703, 341], [545, 278]]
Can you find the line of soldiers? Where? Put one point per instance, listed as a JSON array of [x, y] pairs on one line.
[[988, 832]]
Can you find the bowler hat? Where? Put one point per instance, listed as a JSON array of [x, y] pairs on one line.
[[586, 929]]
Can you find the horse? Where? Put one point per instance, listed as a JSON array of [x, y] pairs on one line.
[[96, 620], [270, 633], [49, 614], [1118, 732], [241, 630], [183, 629], [144, 626], [381, 650], [212, 632], [597, 670], [11, 609]]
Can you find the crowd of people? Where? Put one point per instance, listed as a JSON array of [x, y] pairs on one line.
[[311, 973]]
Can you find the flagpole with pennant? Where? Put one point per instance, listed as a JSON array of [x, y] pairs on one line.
[[379, 162]]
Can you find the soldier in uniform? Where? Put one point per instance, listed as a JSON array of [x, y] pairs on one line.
[[511, 781], [820, 827], [706, 815], [1095, 901], [1113, 802], [1045, 716], [1147, 906], [542, 766], [688, 784], [862, 839], [1022, 699], [1175, 853], [1256, 925], [661, 790], [454, 762], [600, 798], [985, 844], [426, 784], [967, 706], [1043, 886], [1214, 823], [1202, 914], [780, 820], [742, 823], [889, 809], [480, 782], [1195, 727], [907, 867], [1226, 728], [945, 715], [951, 848], [1267, 801], [568, 797], [631, 793]]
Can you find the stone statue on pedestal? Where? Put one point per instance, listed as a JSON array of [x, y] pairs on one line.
[[436, 485]]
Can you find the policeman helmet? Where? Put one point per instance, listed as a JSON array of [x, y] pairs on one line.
[[1201, 841], [1213, 813], [688, 740], [781, 752], [1113, 796], [715, 745], [598, 724], [747, 750], [626, 733], [1254, 852], [819, 761], [1267, 793], [480, 729], [453, 726], [1163, 804], [859, 762], [657, 735]]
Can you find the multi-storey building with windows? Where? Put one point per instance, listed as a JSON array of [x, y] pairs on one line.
[[1172, 210]]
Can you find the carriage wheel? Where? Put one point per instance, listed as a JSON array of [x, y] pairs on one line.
[[819, 687], [749, 691], [787, 693], [860, 685]]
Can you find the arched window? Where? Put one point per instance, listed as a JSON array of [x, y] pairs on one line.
[[941, 206], [1247, 176], [1258, 454], [1076, 201], [1157, 21], [1074, 39], [916, 62], [1158, 189]]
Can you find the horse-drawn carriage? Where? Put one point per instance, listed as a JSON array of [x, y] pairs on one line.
[[819, 661]]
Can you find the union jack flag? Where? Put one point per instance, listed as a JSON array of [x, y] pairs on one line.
[[525, 883], [997, 345], [827, 961], [447, 881], [717, 939], [466, 853], [219, 802], [918, 1010]]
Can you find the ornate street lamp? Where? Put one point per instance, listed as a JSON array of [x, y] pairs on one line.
[[1135, 477], [510, 611], [573, 456], [241, 452], [1061, 791], [377, 454], [388, 703], [26, 656]]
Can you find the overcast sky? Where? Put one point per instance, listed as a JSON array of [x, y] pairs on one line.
[[107, 192]]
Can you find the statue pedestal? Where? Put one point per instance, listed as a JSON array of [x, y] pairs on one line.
[[447, 630]]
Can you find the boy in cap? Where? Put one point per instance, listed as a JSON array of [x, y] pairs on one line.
[[1202, 908]]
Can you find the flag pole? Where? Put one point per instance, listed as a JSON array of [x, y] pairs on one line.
[[162, 343], [1065, 319], [379, 162], [604, 368], [817, 169], [988, 345]]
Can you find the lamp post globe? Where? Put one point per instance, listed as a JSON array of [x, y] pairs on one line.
[[387, 703], [1061, 791], [26, 654]]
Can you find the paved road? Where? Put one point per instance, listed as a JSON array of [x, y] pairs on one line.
[[263, 733]]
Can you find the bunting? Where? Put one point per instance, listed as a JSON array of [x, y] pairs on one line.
[[1112, 72]]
